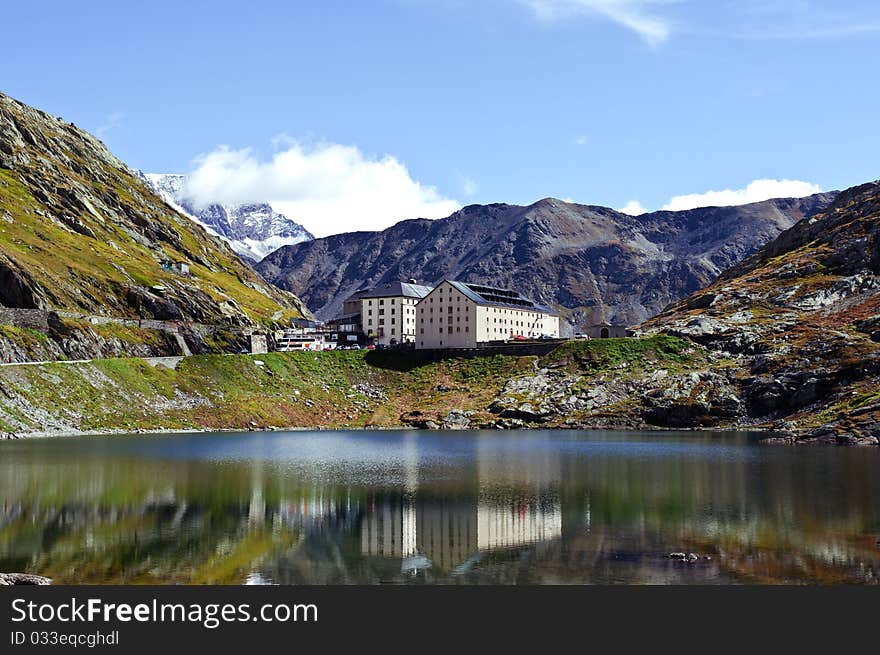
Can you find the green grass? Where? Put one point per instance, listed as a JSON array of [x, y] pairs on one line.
[[600, 355], [117, 331], [306, 389], [71, 266], [23, 336], [238, 391]]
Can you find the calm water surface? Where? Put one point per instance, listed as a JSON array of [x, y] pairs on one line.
[[427, 507]]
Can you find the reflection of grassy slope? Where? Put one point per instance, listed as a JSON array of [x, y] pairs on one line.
[[231, 563], [235, 391], [152, 553], [161, 521]]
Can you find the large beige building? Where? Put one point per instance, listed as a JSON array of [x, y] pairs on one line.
[[388, 311], [463, 315]]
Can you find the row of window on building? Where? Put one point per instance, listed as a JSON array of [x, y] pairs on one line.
[[405, 312]]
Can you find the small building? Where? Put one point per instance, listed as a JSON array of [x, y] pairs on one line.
[[388, 311], [258, 344], [347, 323], [464, 315], [608, 331], [306, 324], [292, 340], [179, 267]]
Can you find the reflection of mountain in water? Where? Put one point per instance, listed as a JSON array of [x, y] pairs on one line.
[[504, 509]]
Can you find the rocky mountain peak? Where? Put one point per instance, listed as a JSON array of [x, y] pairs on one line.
[[253, 230], [802, 318], [585, 260]]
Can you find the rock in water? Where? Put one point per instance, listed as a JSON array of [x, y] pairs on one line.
[[13, 579], [457, 419]]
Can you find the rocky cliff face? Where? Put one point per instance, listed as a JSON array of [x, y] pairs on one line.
[[253, 230], [80, 231], [801, 319], [591, 262]]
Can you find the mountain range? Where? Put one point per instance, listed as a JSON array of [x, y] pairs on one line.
[[764, 315], [592, 263], [252, 229], [787, 341]]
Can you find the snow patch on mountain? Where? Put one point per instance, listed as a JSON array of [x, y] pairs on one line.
[[253, 230]]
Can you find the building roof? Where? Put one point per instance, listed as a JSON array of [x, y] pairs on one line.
[[345, 317], [393, 289], [486, 295], [304, 322]]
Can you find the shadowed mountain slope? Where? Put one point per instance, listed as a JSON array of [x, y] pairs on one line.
[[592, 263]]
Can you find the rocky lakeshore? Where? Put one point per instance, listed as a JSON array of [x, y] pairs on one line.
[[656, 382]]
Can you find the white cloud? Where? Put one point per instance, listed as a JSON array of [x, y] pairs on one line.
[[329, 188], [639, 16], [111, 122], [581, 140], [800, 19], [655, 21], [755, 191], [633, 208], [470, 187]]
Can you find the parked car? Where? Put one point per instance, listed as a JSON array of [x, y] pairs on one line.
[[342, 347], [354, 346], [520, 337], [546, 337], [372, 346]]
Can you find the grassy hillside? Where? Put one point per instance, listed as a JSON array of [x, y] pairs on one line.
[[80, 231], [330, 389]]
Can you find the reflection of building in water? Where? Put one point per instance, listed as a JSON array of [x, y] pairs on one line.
[[449, 534], [517, 523], [389, 530], [316, 510]]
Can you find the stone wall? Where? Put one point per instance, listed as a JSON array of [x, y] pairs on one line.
[[78, 342], [34, 319], [517, 349], [538, 349]]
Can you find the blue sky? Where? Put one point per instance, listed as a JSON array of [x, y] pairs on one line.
[[358, 114]]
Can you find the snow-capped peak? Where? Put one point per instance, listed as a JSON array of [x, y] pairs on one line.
[[253, 229]]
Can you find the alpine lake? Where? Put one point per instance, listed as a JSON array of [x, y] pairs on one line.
[[422, 507]]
